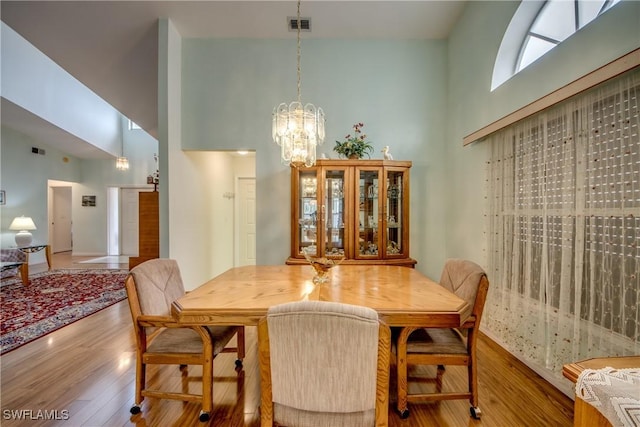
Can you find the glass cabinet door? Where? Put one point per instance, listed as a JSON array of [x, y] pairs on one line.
[[395, 233], [307, 212], [368, 238], [333, 212]]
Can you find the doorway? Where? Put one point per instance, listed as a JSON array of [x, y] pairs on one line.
[[60, 216], [124, 222], [246, 222]]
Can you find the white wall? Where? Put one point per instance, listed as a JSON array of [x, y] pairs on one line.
[[34, 82]]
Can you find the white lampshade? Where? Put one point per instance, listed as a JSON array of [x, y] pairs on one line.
[[23, 223]]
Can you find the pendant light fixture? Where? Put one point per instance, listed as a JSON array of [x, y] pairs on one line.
[[122, 163], [296, 129]]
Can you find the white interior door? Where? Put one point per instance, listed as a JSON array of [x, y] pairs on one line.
[[61, 223], [113, 221], [246, 221], [129, 221]]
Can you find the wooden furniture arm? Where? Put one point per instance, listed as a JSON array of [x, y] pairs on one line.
[[158, 321], [170, 322], [572, 371], [404, 336], [164, 322], [469, 323], [585, 415]]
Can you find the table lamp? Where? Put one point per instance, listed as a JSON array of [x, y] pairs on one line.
[[22, 224]]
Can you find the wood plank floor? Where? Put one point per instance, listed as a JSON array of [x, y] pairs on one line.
[[87, 369]]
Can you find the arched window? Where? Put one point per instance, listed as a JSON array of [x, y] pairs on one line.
[[539, 26]]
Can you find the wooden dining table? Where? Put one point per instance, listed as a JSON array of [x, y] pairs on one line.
[[402, 296]]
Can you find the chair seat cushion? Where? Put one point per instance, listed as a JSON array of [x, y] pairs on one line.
[[436, 340], [186, 340]]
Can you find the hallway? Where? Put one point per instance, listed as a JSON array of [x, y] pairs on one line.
[[66, 260]]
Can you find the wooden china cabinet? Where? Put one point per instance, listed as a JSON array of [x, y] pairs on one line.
[[358, 209]]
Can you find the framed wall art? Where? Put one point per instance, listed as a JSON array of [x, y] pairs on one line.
[[89, 201]]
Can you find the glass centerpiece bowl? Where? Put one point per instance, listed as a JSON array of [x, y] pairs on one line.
[[321, 265]]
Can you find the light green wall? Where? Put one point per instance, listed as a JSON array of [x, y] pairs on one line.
[[36, 83], [473, 46], [396, 88], [24, 176], [90, 224]]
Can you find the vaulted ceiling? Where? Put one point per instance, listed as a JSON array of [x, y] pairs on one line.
[[111, 46]]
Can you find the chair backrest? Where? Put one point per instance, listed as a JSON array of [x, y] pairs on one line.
[[327, 361], [157, 283], [467, 280]]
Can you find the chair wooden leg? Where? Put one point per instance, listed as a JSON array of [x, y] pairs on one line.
[[141, 369], [439, 378], [264, 361], [240, 339], [473, 382], [207, 382], [140, 383], [401, 373]]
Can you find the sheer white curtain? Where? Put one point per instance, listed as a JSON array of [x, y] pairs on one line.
[[564, 230]]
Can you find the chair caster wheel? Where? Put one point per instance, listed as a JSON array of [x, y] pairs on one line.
[[404, 414], [475, 412], [135, 409], [204, 417], [182, 367], [238, 364]]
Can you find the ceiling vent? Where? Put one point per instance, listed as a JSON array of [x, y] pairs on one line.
[[305, 24]]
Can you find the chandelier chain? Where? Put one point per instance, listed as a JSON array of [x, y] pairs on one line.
[[298, 129], [298, 57]]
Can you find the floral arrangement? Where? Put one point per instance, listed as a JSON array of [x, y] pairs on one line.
[[354, 147]]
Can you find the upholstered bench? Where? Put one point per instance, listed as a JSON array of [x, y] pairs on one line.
[[13, 260]]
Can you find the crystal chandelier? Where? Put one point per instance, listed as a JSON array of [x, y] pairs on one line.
[[297, 129]]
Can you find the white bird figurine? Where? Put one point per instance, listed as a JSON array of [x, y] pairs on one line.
[[386, 154]]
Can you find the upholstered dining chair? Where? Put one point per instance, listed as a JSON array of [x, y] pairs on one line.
[[323, 364], [151, 288], [443, 346]]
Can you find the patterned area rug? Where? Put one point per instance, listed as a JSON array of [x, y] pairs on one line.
[[54, 299]]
